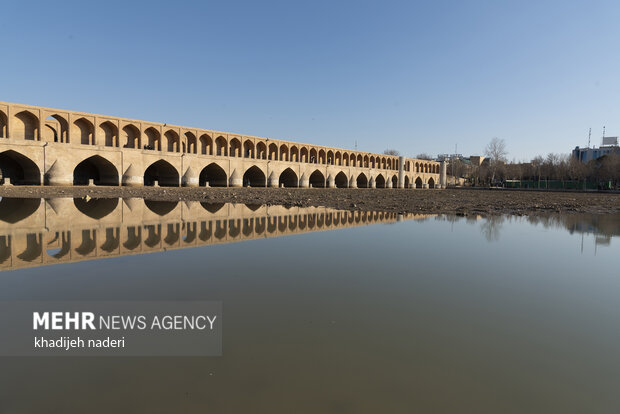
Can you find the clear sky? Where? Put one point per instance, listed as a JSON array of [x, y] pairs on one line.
[[417, 76]]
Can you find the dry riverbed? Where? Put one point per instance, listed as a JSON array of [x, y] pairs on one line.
[[450, 201]]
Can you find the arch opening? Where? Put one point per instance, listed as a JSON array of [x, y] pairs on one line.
[[254, 177], [418, 182], [362, 181], [341, 180], [317, 179], [19, 169], [288, 178], [95, 168], [214, 175], [380, 181], [394, 181], [163, 172], [431, 183]]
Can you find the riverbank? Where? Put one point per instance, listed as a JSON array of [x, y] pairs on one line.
[[450, 201]]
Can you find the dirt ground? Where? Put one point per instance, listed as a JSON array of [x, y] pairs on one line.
[[450, 201]]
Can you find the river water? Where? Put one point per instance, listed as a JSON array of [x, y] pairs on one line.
[[325, 311]]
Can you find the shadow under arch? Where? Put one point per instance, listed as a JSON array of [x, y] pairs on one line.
[[341, 180], [362, 181], [95, 168], [254, 177], [96, 208], [163, 172], [288, 178], [317, 179], [214, 175], [13, 210], [20, 169], [161, 208]]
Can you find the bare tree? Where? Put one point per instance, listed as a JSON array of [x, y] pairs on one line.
[[390, 151], [496, 153], [424, 156]]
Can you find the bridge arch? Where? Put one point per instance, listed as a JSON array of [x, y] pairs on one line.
[[418, 182], [20, 169], [172, 141], [190, 138], [273, 152], [86, 131], [362, 181], [4, 125], [303, 155], [248, 149], [153, 138], [221, 146], [25, 126], [288, 178], [214, 175], [131, 136], [317, 179], [206, 144], [341, 180], [407, 181], [163, 172], [109, 132], [261, 151], [431, 183], [235, 148], [254, 177], [56, 129], [380, 181], [394, 181], [95, 168], [283, 152], [294, 154]]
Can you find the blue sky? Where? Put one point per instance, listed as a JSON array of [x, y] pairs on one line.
[[418, 76]]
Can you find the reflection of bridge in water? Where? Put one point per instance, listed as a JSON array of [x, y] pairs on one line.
[[35, 232]]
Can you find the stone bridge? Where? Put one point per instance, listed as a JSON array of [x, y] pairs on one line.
[[45, 146], [35, 232]]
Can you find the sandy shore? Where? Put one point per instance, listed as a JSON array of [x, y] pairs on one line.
[[451, 201]]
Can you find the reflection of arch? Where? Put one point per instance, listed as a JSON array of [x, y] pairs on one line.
[[431, 183], [89, 242], [161, 208], [13, 210], [25, 126], [19, 169], [418, 182], [163, 172], [380, 181], [87, 131], [254, 177], [362, 181], [214, 175], [97, 168], [317, 179], [112, 240], [212, 207], [34, 248], [96, 208], [134, 237], [341, 180], [288, 178]]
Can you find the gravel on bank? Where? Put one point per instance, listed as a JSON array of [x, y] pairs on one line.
[[449, 201]]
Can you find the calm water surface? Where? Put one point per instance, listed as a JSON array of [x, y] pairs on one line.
[[326, 311]]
